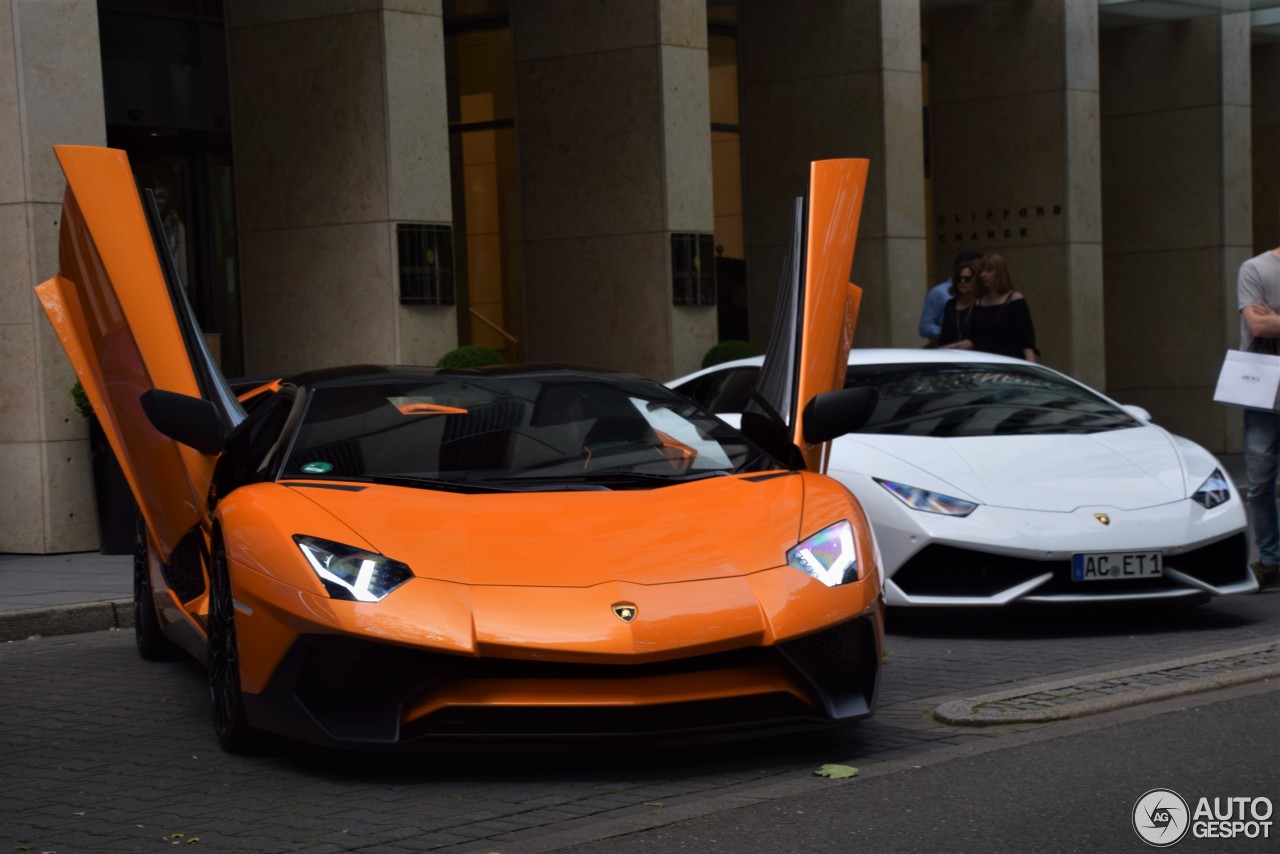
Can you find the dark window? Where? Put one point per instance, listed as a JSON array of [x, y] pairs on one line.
[[722, 391], [426, 263], [693, 269]]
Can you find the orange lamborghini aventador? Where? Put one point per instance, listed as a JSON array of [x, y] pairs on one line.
[[381, 555]]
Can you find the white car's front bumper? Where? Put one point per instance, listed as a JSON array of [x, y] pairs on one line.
[[999, 555]]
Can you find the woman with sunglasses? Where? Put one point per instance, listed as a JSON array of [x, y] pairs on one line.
[[958, 329]]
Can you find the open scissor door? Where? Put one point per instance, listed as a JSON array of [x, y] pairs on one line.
[[817, 305], [123, 318]]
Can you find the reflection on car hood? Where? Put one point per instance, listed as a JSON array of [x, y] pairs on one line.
[[1125, 469], [713, 528]]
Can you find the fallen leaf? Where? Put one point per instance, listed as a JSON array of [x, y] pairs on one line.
[[836, 772]]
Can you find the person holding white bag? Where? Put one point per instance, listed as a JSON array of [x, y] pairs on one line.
[[1258, 294]]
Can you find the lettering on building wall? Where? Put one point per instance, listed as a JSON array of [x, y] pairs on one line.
[[991, 224]]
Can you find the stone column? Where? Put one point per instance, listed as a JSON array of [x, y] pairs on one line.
[[341, 132], [1177, 214], [825, 79], [1014, 115], [50, 93], [613, 124]]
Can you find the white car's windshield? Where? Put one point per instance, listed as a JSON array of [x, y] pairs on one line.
[[981, 400]]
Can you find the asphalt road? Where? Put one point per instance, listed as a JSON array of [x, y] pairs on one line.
[[100, 751], [1051, 792]]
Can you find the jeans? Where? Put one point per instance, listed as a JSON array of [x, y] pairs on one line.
[[1261, 458]]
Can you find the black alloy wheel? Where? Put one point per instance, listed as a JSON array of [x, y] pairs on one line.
[[152, 644], [229, 721]]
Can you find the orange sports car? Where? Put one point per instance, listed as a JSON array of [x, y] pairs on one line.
[[383, 555]]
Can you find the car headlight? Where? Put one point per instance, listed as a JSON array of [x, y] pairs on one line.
[[829, 555], [930, 502], [350, 573], [1213, 491]]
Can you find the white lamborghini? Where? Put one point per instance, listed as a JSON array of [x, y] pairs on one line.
[[991, 480]]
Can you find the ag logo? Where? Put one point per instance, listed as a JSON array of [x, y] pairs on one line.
[[624, 611], [1161, 818]]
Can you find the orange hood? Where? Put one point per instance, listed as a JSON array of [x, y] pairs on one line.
[[714, 528]]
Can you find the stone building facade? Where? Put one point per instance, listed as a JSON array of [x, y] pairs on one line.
[[607, 182]]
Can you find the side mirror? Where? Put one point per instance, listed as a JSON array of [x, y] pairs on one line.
[[1137, 412], [838, 412], [192, 421]]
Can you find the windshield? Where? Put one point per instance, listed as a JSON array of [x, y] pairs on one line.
[[981, 400], [505, 429]]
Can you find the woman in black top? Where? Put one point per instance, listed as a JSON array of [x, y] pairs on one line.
[[1003, 321], [958, 314]]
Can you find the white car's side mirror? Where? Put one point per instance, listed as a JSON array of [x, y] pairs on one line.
[[1137, 412]]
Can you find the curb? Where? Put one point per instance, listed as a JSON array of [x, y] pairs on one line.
[[66, 619], [1127, 689]]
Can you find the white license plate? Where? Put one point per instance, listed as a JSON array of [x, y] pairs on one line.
[[1113, 566]]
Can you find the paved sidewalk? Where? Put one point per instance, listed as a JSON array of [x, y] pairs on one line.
[[64, 594], [1074, 697]]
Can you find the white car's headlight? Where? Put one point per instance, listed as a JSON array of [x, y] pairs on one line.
[[1213, 491], [930, 502], [351, 573], [829, 555]]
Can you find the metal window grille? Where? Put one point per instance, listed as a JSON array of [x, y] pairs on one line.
[[693, 269], [426, 263]]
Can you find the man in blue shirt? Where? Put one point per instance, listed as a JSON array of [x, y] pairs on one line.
[[936, 300]]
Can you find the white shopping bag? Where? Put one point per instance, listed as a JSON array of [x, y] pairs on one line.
[[1249, 379]]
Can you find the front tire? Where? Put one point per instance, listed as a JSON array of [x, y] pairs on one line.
[[229, 721], [152, 644]]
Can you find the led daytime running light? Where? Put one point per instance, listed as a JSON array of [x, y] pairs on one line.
[[1213, 491], [350, 573], [829, 556], [930, 502]]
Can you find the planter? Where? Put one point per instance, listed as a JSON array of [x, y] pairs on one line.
[[117, 511]]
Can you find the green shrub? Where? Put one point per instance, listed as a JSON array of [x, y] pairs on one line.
[[83, 406], [471, 356], [727, 351]]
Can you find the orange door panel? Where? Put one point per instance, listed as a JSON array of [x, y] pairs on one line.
[[830, 310], [123, 330]]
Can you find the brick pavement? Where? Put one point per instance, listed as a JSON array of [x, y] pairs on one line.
[[103, 751]]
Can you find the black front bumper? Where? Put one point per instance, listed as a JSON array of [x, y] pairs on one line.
[[347, 691], [939, 570]]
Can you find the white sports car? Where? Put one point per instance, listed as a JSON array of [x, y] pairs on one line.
[[990, 480]]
